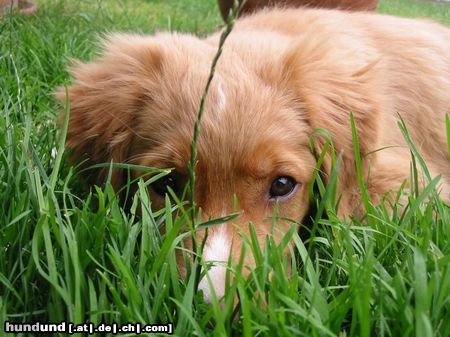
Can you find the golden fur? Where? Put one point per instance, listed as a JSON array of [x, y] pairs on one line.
[[282, 74]]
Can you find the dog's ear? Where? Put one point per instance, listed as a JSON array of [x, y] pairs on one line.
[[334, 81], [105, 97]]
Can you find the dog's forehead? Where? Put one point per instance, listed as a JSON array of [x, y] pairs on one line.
[[242, 114], [235, 102], [249, 128]]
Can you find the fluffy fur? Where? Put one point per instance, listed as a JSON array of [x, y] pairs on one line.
[[282, 74]]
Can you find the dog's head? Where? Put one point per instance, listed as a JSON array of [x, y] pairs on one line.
[[138, 104]]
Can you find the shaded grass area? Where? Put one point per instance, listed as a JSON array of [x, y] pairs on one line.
[[70, 252]]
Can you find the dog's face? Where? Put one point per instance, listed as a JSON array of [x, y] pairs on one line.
[[138, 104], [253, 157], [252, 147]]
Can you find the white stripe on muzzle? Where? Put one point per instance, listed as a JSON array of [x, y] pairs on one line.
[[216, 251]]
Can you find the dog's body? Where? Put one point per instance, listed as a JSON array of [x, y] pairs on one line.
[[282, 74]]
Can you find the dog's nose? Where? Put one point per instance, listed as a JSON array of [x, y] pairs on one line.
[[215, 257]]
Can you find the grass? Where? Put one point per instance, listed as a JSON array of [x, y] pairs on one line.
[[71, 253], [411, 8]]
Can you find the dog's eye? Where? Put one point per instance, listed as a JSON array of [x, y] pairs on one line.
[[160, 186], [282, 186]]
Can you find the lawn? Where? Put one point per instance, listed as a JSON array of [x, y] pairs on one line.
[[70, 253]]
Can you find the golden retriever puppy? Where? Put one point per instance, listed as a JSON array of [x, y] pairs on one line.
[[253, 5], [282, 74]]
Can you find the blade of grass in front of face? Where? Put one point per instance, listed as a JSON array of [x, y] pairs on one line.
[[186, 314], [193, 158], [320, 158], [358, 165], [146, 247], [315, 296], [422, 319], [172, 259], [415, 152]]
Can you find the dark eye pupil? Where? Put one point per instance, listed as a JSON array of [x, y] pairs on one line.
[[160, 186], [282, 186]]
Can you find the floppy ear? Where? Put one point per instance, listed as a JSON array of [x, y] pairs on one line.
[[105, 98], [334, 80]]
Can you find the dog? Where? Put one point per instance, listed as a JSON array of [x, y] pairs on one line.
[[251, 6], [283, 73]]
